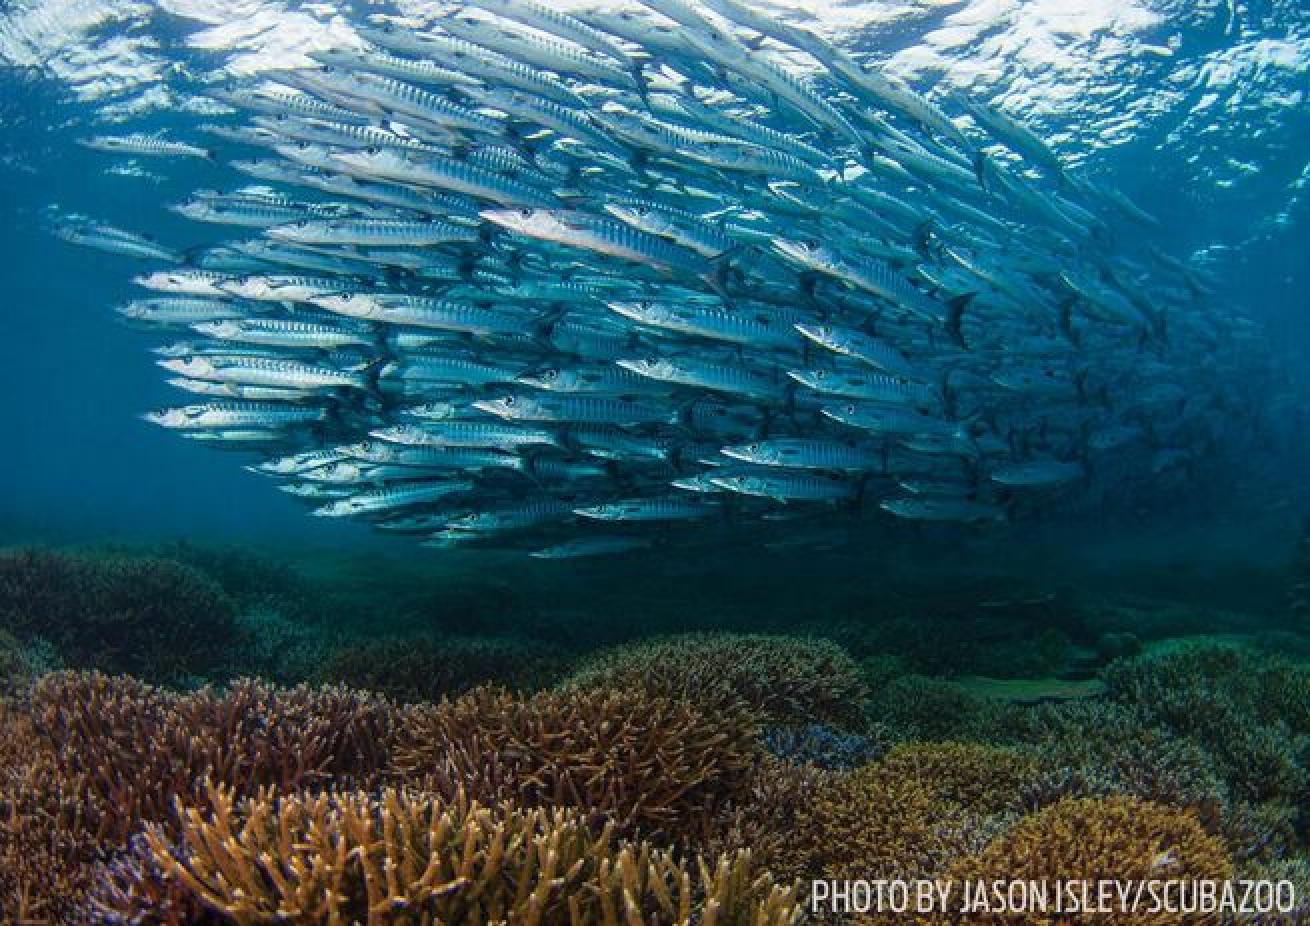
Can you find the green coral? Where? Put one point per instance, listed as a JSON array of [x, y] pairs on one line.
[[917, 707], [147, 616], [1248, 710]]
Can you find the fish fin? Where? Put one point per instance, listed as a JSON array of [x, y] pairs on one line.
[[955, 316], [980, 165]]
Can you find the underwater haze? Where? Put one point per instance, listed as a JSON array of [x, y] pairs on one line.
[[1127, 350]]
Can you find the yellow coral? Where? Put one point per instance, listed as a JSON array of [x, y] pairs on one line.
[[1120, 838], [986, 779], [411, 859]]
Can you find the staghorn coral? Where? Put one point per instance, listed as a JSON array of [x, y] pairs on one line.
[[1093, 838], [143, 615], [1248, 710], [869, 824], [916, 707], [782, 679], [284, 650], [47, 853], [978, 778], [1097, 748], [906, 816], [133, 889], [22, 664], [624, 757], [135, 748], [766, 816], [424, 669], [401, 858]]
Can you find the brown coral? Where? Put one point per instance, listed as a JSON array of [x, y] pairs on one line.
[[869, 824], [624, 757], [46, 853], [782, 679], [1120, 838], [984, 779], [404, 858], [769, 816], [133, 748]]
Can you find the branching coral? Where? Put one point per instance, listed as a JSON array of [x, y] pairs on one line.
[[767, 817], [46, 851], [782, 679], [1088, 838], [402, 858], [1246, 709], [982, 779], [134, 748], [625, 757], [906, 816], [917, 707], [868, 824], [424, 669], [1096, 749], [152, 617]]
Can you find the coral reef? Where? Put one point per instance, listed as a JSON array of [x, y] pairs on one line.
[[1096, 749], [917, 707], [638, 761], [1090, 838], [867, 824], [21, 664], [133, 749], [978, 778], [426, 669], [768, 814], [1250, 711], [147, 616], [676, 780], [781, 679], [404, 857], [815, 744]]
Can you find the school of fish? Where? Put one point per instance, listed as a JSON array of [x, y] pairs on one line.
[[558, 281]]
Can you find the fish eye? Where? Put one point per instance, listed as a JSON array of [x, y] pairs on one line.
[[525, 213], [754, 448], [820, 374], [372, 149], [509, 400]]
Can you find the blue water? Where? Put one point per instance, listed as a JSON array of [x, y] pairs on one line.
[[1200, 116]]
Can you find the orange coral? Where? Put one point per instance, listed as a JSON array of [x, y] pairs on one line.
[[403, 858], [624, 757]]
